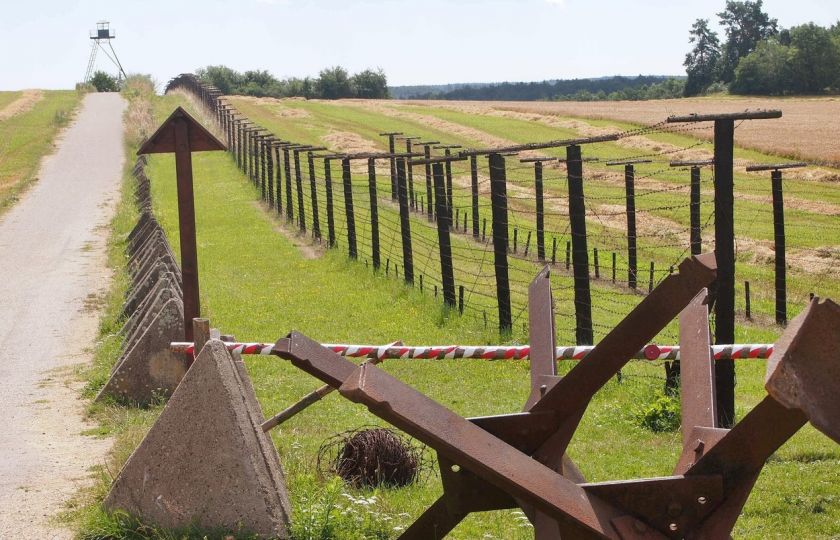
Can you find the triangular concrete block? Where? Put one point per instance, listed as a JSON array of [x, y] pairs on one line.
[[206, 461], [144, 224], [141, 291], [143, 317], [146, 305], [149, 369]]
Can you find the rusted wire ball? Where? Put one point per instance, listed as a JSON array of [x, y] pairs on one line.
[[372, 457]]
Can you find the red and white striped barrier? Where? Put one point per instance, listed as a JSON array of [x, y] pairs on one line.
[[494, 352]]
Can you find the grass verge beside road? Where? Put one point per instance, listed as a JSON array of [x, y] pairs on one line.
[[27, 137]]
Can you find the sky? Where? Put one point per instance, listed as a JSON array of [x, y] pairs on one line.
[[45, 43]]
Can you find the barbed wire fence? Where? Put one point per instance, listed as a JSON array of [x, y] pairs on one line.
[[472, 227]]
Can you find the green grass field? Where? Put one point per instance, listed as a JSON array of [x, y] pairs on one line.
[[27, 137], [257, 285], [661, 204]]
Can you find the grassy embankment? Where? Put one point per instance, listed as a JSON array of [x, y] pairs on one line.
[[257, 285], [27, 137]]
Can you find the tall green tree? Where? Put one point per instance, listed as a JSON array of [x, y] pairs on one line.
[[765, 71], [333, 83], [701, 63], [227, 80], [104, 82], [815, 59], [745, 24], [370, 84]]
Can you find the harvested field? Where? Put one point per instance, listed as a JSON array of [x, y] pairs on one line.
[[806, 130], [22, 104]]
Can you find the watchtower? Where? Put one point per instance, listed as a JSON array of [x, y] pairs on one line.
[[103, 33]]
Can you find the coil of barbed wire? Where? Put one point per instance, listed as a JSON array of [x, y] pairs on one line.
[[373, 457]]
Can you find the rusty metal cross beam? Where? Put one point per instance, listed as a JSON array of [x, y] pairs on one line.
[[496, 452]]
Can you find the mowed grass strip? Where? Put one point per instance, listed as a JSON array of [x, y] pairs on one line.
[[27, 137], [256, 285], [8, 97]]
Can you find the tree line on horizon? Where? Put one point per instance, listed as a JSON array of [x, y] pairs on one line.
[[600, 89], [331, 83], [760, 58]]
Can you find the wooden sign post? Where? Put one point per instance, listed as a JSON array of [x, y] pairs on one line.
[[183, 135]]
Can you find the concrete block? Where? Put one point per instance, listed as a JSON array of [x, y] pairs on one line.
[[139, 292], [144, 315], [149, 369], [206, 460]]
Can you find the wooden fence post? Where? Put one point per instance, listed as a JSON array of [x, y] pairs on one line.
[[299, 186], [263, 168], [498, 198], [725, 257], [442, 215], [412, 199], [269, 173], [595, 260], [313, 189], [287, 168], [278, 180], [427, 153], [374, 213], [538, 184], [580, 253], [779, 240], [694, 211], [405, 222], [330, 213], [630, 195], [347, 180], [474, 194], [747, 306]]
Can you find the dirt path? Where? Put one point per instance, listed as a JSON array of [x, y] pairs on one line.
[[21, 104], [52, 268]]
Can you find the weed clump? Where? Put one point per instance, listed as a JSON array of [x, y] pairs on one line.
[[662, 415]]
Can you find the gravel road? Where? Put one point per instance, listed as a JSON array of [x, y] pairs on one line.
[[52, 271]]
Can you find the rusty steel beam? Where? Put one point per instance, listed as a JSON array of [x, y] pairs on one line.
[[697, 368], [639, 327], [518, 459], [461, 441], [803, 381]]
